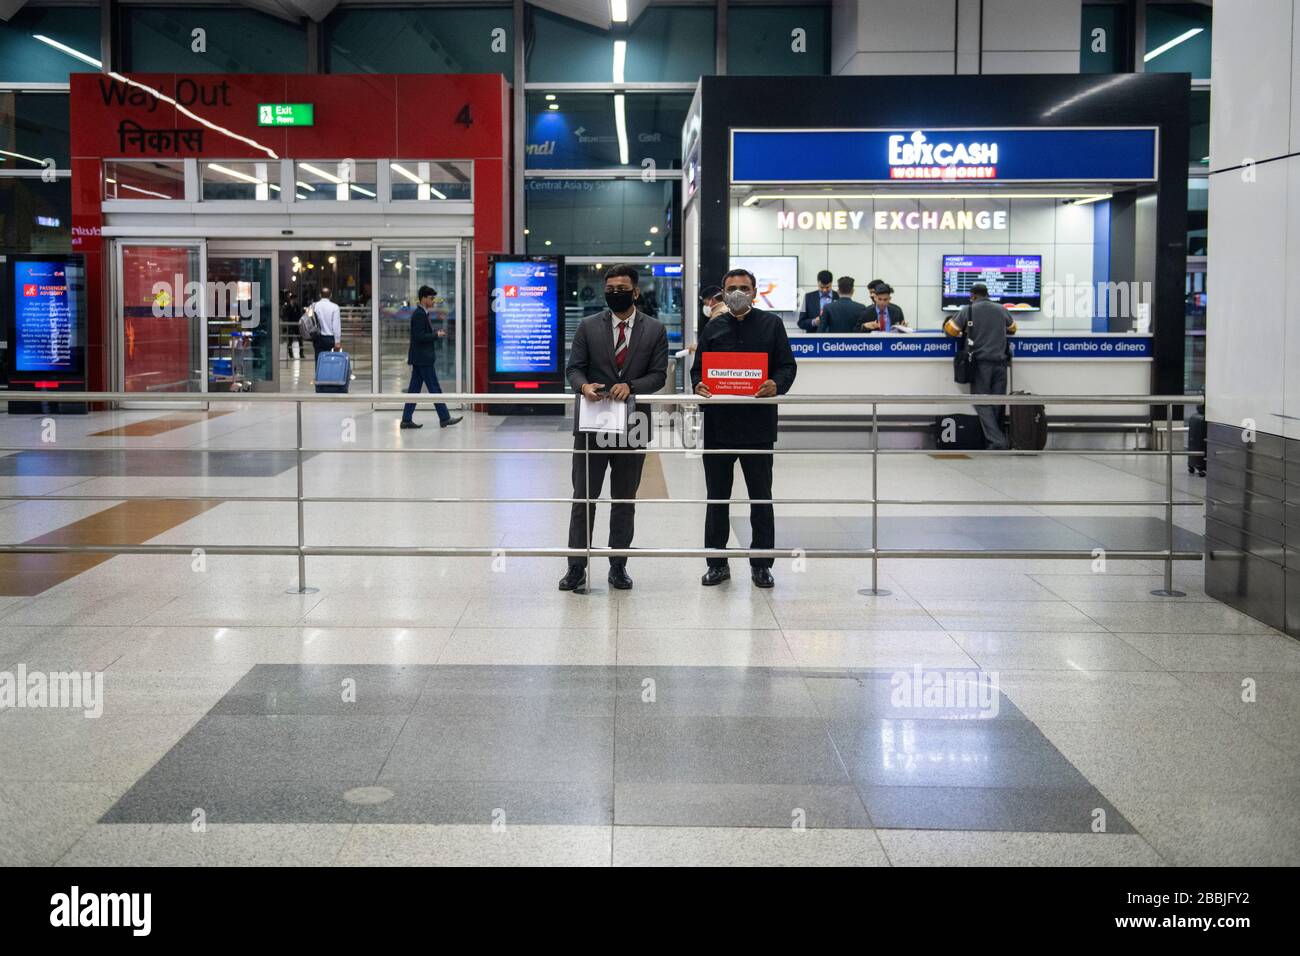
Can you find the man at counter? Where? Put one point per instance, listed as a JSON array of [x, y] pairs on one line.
[[815, 302], [884, 315], [742, 328], [844, 315], [987, 324]]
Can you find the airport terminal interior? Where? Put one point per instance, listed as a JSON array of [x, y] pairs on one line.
[[250, 617]]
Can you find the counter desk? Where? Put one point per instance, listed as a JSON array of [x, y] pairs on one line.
[[920, 363]]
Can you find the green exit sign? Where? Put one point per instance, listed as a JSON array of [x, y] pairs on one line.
[[285, 114]]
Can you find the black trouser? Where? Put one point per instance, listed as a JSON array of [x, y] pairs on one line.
[[719, 471], [624, 479], [322, 343], [990, 378]]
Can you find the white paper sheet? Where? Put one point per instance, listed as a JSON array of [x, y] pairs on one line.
[[605, 415]]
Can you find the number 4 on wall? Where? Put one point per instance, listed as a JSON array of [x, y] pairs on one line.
[[464, 117]]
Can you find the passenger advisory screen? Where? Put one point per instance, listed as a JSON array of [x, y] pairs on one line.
[[526, 317], [1014, 281]]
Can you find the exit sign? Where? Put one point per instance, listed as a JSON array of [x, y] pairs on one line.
[[285, 114]]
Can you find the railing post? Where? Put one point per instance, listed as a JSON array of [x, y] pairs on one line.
[[1168, 589], [302, 538], [587, 587], [875, 590]]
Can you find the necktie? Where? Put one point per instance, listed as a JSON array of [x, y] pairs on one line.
[[620, 346], [884, 320]]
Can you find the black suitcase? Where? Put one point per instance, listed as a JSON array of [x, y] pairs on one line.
[[1028, 429], [1196, 443], [958, 433]]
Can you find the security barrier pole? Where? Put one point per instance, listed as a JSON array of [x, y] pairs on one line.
[[1168, 589], [302, 539], [587, 587], [875, 590]]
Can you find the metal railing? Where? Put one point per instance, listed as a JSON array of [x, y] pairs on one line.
[[302, 550]]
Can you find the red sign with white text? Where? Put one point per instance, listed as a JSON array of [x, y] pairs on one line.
[[734, 373]]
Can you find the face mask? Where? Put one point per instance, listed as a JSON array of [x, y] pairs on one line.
[[738, 300], [619, 301]]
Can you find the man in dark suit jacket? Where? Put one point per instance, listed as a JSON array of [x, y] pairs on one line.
[[618, 353], [884, 314], [422, 356], [844, 315], [815, 301]]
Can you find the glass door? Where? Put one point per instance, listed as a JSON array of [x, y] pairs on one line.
[[402, 272], [242, 331], [160, 311]]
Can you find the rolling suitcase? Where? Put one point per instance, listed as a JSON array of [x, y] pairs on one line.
[[958, 433], [333, 372], [1196, 443], [1028, 431]]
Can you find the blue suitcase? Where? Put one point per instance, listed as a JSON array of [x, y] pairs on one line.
[[333, 372]]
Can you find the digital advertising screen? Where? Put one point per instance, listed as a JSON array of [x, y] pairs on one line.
[[778, 279], [527, 316], [46, 320], [1015, 281]]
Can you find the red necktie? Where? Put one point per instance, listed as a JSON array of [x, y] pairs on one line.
[[620, 346]]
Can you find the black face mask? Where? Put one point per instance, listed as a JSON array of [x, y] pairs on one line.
[[620, 300]]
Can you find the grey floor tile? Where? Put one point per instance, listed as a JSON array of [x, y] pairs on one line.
[[158, 799], [518, 690], [745, 846], [1248, 653], [538, 646], [1031, 650], [701, 749], [851, 648], [817, 806], [1169, 617], [1268, 703], [1021, 809], [500, 802], [952, 753], [503, 746], [915, 694], [40, 821], [740, 647], [1217, 829], [281, 748], [714, 691], [965, 848], [1002, 616], [338, 690], [461, 845]]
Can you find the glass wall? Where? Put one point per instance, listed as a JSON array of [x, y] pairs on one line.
[[789, 41], [665, 44], [216, 39], [45, 44], [583, 130], [1178, 39], [144, 179], [422, 40], [162, 338], [587, 217], [401, 274], [33, 131]]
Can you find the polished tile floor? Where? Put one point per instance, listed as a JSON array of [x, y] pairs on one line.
[[462, 711]]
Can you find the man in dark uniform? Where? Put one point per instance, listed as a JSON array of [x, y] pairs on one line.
[[987, 324], [742, 328], [845, 314], [422, 356]]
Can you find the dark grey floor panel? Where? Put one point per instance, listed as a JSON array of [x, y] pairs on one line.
[[172, 463], [817, 806], [652, 746], [1024, 809]]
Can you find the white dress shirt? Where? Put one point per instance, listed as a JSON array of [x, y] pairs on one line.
[[327, 316]]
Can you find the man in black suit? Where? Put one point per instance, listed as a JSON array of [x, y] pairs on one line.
[[816, 301], [422, 356], [844, 315], [884, 314], [617, 353], [742, 328]]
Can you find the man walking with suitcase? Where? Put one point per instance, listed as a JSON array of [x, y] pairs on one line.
[[987, 324], [422, 356]]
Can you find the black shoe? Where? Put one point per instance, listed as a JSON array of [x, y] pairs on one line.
[[618, 578], [411, 425], [762, 578], [715, 576], [449, 421], [575, 578]]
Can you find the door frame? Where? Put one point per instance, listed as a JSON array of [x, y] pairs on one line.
[[454, 248], [226, 249], [117, 319]]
